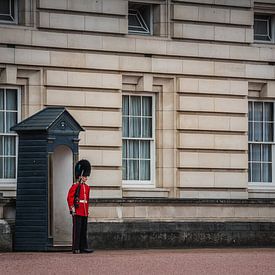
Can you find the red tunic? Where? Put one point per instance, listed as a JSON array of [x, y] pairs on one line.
[[84, 193]]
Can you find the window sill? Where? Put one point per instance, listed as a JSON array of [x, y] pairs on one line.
[[261, 187], [144, 192]]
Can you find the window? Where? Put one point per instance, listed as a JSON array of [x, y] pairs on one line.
[[140, 18], [9, 114], [263, 27], [8, 11], [261, 141], [138, 139]]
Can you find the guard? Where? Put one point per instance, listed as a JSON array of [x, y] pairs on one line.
[[78, 202]]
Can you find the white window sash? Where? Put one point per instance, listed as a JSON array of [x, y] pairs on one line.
[[6, 182], [144, 183]]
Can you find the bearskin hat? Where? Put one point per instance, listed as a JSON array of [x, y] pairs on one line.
[[82, 168]]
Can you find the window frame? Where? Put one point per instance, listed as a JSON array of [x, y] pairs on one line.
[[272, 28], [151, 182], [150, 27], [15, 21], [6, 182], [262, 184]]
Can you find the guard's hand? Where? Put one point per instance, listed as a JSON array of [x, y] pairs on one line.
[[72, 212]]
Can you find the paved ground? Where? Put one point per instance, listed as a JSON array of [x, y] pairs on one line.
[[131, 262]]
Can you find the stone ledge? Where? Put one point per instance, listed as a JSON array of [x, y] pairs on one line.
[[168, 201], [180, 234]]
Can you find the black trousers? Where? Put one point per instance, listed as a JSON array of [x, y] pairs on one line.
[[79, 232]]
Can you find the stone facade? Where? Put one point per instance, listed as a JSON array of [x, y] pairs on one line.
[[202, 65]]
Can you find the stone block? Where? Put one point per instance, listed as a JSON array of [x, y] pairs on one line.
[[177, 30], [230, 105], [65, 97], [102, 62], [56, 78], [107, 193], [98, 99], [102, 157], [15, 36], [241, 17], [44, 19], [82, 41], [239, 3], [231, 142], [230, 34], [229, 69], [188, 122], [67, 21], [214, 51], [9, 75], [259, 71], [66, 59], [97, 118], [184, 12], [182, 48], [49, 39], [118, 44], [105, 177], [197, 31], [119, 7], [194, 179], [103, 24], [215, 15], [198, 104], [32, 57], [102, 138], [134, 63], [85, 6], [166, 65], [149, 46], [188, 85], [268, 89], [53, 4], [231, 179], [198, 67], [201, 141]]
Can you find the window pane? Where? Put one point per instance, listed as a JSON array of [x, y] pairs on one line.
[[267, 153], [250, 131], [9, 167], [267, 172], [2, 122], [125, 105], [268, 114], [268, 135], [145, 169], [261, 27], [1, 147], [125, 126], [135, 127], [133, 171], [145, 149], [256, 152], [1, 168], [250, 111], [5, 7], [1, 99], [256, 172], [133, 147], [147, 106], [11, 120], [124, 149], [146, 127], [135, 106], [258, 111], [124, 169], [249, 172], [258, 131], [11, 99], [9, 146]]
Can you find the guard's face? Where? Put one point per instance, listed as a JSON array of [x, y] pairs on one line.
[[84, 179]]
